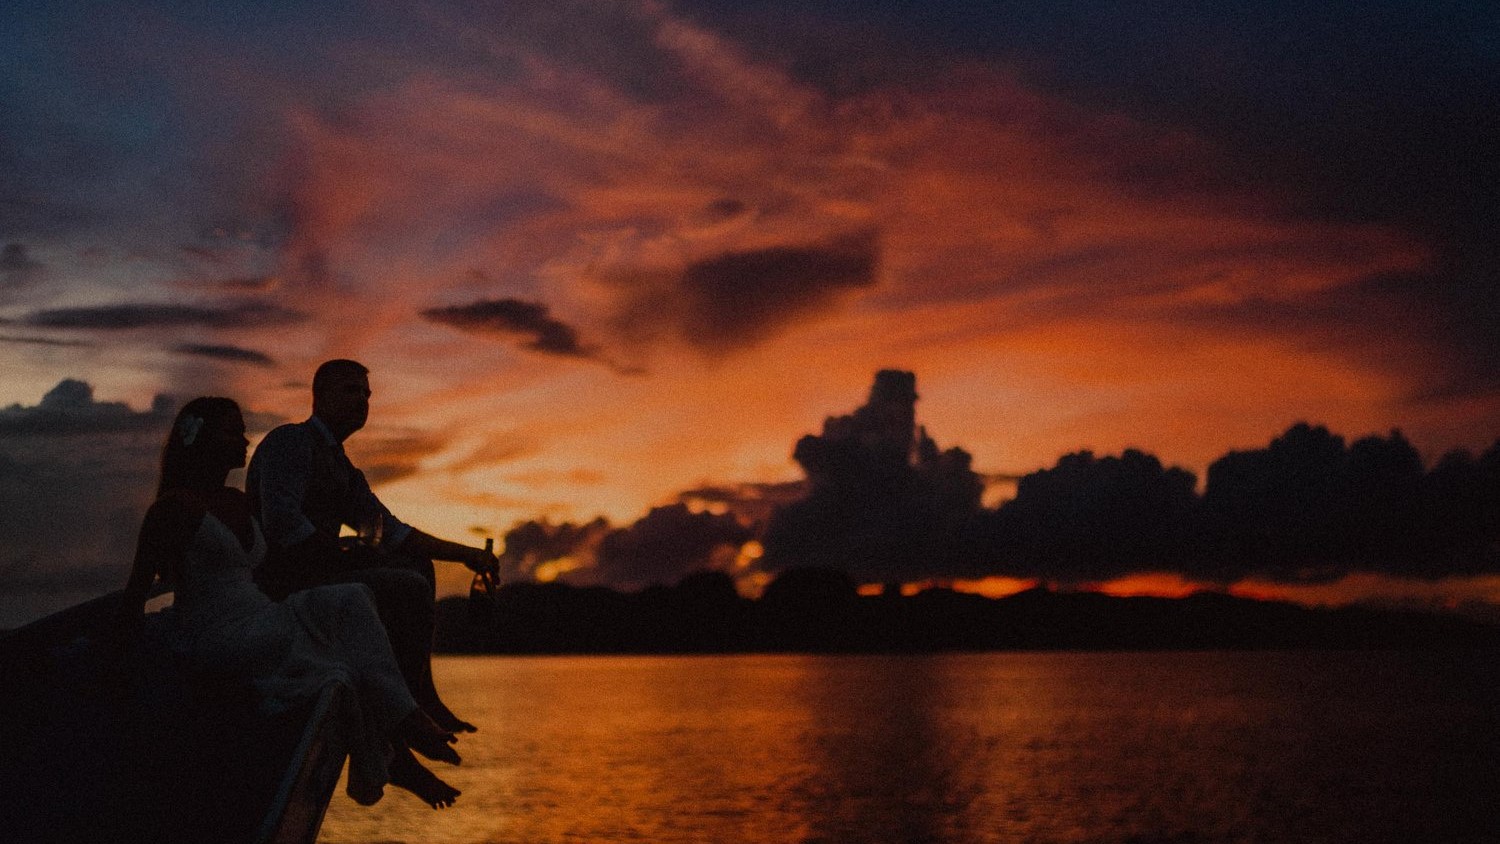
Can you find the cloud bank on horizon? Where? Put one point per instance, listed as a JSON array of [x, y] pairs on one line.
[[1098, 227], [881, 502]]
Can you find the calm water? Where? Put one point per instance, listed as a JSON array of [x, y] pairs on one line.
[[1257, 747]]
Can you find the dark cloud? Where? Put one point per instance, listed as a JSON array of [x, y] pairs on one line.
[[532, 543], [885, 503], [726, 208], [515, 318], [227, 353], [43, 341], [1093, 519], [738, 298], [76, 476], [69, 410], [1309, 508], [120, 317], [751, 503], [664, 546]]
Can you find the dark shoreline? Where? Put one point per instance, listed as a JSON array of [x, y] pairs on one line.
[[818, 613]]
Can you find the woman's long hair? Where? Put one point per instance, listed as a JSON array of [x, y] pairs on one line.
[[179, 466]]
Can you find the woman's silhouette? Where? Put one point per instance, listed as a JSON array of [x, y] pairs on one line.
[[201, 541]]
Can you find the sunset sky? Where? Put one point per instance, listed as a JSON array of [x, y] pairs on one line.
[[599, 253]]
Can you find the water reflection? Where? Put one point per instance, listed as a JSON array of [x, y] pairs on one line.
[[879, 752], [962, 748]]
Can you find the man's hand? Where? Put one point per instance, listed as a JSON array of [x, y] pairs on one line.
[[481, 560]]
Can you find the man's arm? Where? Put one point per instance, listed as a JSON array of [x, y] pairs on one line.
[[424, 544], [399, 535]]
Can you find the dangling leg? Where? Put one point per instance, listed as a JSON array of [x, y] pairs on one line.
[[421, 618], [382, 703], [404, 600]]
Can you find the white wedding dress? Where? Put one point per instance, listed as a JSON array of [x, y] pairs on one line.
[[289, 651]]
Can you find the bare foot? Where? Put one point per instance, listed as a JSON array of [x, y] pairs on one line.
[[420, 733], [445, 718], [455, 724], [408, 773]]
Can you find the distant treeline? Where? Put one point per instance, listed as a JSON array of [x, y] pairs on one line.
[[819, 610]]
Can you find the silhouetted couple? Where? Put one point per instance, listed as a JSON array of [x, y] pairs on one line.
[[290, 608]]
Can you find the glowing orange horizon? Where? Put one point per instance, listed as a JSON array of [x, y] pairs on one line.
[[1445, 594]]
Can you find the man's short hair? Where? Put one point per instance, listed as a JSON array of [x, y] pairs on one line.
[[336, 370]]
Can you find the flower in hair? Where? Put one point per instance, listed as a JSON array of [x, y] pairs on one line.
[[188, 428]]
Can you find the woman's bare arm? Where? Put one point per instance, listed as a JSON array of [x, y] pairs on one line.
[[165, 532]]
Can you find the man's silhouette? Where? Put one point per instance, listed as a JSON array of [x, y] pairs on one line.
[[304, 488]]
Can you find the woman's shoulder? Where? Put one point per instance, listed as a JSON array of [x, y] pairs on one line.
[[177, 508], [180, 499], [230, 495]]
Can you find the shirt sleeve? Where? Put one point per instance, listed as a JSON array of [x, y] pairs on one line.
[[393, 531], [281, 465]]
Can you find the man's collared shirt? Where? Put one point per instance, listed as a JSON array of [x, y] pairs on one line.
[[280, 480]]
